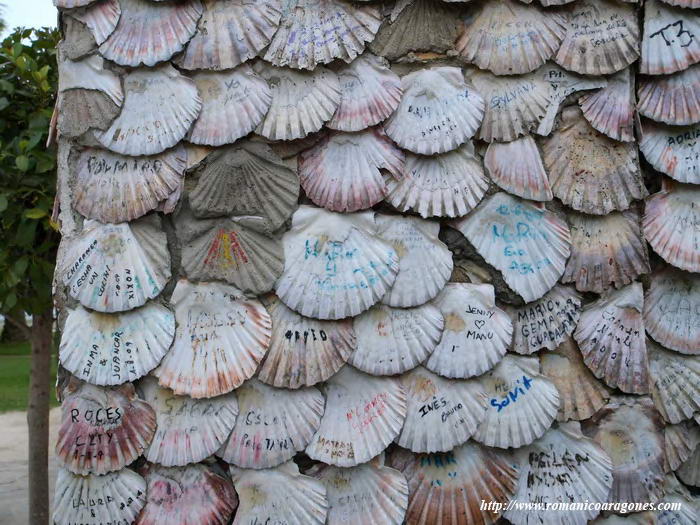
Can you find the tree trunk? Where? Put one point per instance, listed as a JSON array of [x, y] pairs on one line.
[[38, 419]]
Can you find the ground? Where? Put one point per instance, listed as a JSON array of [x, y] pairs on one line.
[[14, 377]]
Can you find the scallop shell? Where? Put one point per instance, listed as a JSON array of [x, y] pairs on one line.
[[189, 430], [191, 495], [71, 4], [346, 172], [438, 112], [117, 497], [393, 340], [230, 33], [111, 349], [673, 99], [335, 264], [151, 121], [689, 4], [525, 178], [102, 429], [611, 110], [669, 43], [672, 224], [605, 250], [527, 243], [675, 383], [90, 73], [589, 171], [371, 92], [671, 309], [220, 339], [602, 37], [689, 471], [100, 18], [676, 493], [81, 110], [447, 185], [508, 38], [302, 101], [610, 335], [314, 32], [477, 333], [113, 188], [116, 267], [363, 415], [679, 442], [673, 150]]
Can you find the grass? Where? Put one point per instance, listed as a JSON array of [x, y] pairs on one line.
[[14, 376]]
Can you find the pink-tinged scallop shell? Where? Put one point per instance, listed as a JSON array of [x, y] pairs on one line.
[[111, 349], [438, 112], [90, 73], [189, 430], [689, 471], [611, 110], [221, 338], [70, 4], [525, 178], [116, 497], [670, 41], [304, 351], [447, 185], [159, 107], [346, 172], [581, 394], [114, 188], [335, 265], [363, 415], [680, 441], [605, 250], [314, 32], [672, 224], [116, 267], [476, 335], [100, 18], [611, 337], [589, 171], [562, 466], [672, 99], [393, 340], [675, 383], [508, 38], [441, 413], [673, 150], [233, 104], [671, 310], [191, 495], [527, 243], [630, 430], [230, 32]]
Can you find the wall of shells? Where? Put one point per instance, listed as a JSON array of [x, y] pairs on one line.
[[360, 262]]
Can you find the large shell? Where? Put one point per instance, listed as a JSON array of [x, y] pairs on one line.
[[230, 33], [151, 32], [611, 110], [669, 43], [346, 172], [335, 265], [589, 171], [447, 185], [220, 339], [316, 32], [116, 267], [679, 442], [100, 18], [191, 495], [304, 351], [160, 105], [438, 112], [673, 99], [90, 73], [527, 243], [363, 415], [477, 333], [393, 340], [605, 250], [675, 383], [274, 424], [509, 38], [673, 150], [111, 349], [189, 430]]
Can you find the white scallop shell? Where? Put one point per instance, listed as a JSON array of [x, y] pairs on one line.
[[611, 110], [438, 112], [673, 150], [680, 441], [687, 513], [100, 18], [335, 264], [220, 339], [675, 383], [90, 73], [669, 43], [673, 99], [363, 415], [689, 471]]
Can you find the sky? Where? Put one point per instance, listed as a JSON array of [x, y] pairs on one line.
[[28, 13]]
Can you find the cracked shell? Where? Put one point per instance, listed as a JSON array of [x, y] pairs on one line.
[[680, 441], [669, 43], [82, 110], [673, 150], [89, 73], [675, 383], [672, 99], [610, 110], [100, 18]]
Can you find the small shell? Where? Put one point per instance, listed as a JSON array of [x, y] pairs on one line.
[[477, 333], [527, 243], [687, 513], [675, 383], [100, 18], [189, 430], [393, 340], [335, 264], [611, 337], [220, 339], [669, 43], [274, 424], [81, 110], [346, 172], [611, 110], [447, 185], [673, 99], [679, 442], [689, 471], [363, 415], [673, 150], [90, 73], [438, 112]]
